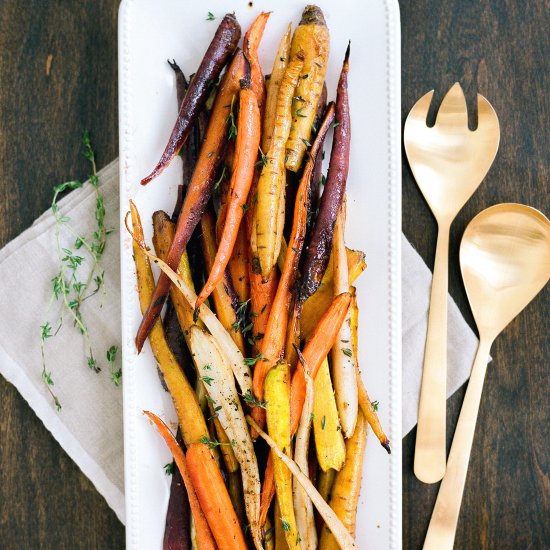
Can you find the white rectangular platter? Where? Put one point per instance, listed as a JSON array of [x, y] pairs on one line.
[[152, 31]]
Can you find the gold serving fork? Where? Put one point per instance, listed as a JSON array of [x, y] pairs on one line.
[[448, 161]]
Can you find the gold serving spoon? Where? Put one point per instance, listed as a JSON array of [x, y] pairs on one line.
[[448, 162], [505, 262]]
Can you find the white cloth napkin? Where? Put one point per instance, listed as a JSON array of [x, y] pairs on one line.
[[89, 426]]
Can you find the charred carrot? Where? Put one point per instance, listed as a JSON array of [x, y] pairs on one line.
[[214, 498], [318, 250], [251, 42], [220, 49], [271, 185], [238, 266], [246, 151], [177, 534], [262, 295], [200, 188], [312, 37], [204, 534], [274, 340]]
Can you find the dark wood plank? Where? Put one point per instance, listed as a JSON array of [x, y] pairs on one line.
[[500, 49], [46, 501]]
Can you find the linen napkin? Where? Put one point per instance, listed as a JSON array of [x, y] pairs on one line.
[[89, 425]]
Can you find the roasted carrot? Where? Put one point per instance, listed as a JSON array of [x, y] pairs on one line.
[[318, 251], [223, 294], [200, 188], [177, 534], [262, 295], [277, 395], [271, 185], [220, 49], [314, 354], [343, 360], [365, 404], [251, 42], [274, 340], [329, 441], [246, 151], [238, 266], [277, 73], [214, 498], [347, 484], [203, 532], [312, 37], [190, 417], [317, 304]]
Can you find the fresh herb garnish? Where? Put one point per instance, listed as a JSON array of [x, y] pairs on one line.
[[116, 374], [231, 120], [67, 286], [169, 468], [207, 380], [347, 352], [306, 142], [323, 422], [251, 361], [210, 16], [375, 405], [286, 525], [249, 398]]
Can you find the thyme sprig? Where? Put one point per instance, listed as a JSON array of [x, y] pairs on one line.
[[68, 289]]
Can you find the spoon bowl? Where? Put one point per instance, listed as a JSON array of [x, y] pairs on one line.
[[505, 262]]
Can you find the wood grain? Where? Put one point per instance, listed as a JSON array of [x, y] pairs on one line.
[[499, 47]]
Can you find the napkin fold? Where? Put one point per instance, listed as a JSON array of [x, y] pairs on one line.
[[89, 425]]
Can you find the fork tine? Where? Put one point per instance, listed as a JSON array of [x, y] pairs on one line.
[[486, 117], [453, 111], [419, 112]]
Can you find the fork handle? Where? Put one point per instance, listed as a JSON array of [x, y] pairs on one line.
[[429, 456], [442, 528]]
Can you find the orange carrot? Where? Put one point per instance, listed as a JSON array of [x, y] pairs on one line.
[[314, 354], [204, 534], [223, 296], [200, 188], [246, 151], [274, 340], [251, 41], [238, 266], [214, 498]]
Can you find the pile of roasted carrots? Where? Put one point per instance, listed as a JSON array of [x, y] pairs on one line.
[[269, 343]]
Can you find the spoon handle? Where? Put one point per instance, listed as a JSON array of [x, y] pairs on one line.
[[442, 528], [429, 455]]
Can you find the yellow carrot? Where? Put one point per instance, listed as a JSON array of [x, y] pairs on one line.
[[277, 73], [190, 417], [311, 37], [329, 441], [345, 491], [271, 186], [277, 395]]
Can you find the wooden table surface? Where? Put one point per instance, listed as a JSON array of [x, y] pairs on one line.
[[500, 48]]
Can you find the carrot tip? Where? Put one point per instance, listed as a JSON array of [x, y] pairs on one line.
[[386, 445]]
